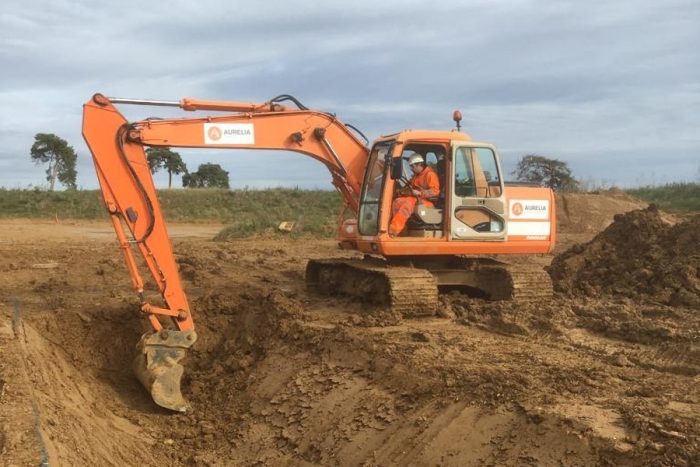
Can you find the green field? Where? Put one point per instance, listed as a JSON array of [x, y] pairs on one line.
[[247, 212], [253, 212], [675, 197]]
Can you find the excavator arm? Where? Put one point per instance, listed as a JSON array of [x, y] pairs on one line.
[[315, 134], [130, 197]]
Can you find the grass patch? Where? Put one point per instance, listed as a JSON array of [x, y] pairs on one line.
[[250, 212], [675, 197], [39, 204], [260, 212]]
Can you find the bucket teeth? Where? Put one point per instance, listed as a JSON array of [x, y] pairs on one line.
[[157, 366]]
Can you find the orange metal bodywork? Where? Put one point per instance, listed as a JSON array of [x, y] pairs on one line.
[[130, 197], [385, 245], [101, 130], [273, 130]]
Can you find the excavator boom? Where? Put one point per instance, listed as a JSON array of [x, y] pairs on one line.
[[130, 198]]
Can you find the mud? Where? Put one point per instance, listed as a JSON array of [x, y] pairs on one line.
[[640, 254], [281, 376]]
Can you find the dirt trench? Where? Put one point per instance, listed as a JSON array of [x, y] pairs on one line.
[[283, 377], [270, 386]]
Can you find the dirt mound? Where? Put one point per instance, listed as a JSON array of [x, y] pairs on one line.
[[581, 213], [640, 254]]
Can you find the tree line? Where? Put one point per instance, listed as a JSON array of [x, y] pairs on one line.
[[207, 175], [61, 159]]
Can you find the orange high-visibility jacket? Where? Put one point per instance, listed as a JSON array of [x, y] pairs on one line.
[[427, 182]]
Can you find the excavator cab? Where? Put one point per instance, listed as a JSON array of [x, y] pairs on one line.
[[476, 213], [471, 204]]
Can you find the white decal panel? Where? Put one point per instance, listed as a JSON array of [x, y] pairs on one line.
[[229, 133], [528, 209], [531, 229]]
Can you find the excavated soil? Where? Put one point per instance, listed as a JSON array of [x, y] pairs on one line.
[[280, 376], [639, 254], [580, 216]]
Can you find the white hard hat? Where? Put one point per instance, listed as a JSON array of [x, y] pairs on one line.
[[415, 159]]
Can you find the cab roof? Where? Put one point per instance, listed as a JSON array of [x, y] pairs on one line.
[[426, 135]]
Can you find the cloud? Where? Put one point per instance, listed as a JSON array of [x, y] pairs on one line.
[[606, 86]]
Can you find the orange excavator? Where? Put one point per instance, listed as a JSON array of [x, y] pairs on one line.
[[451, 241]]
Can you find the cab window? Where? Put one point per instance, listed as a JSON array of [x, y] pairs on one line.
[[370, 201], [476, 173]]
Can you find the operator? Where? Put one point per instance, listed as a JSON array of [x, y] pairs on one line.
[[424, 184]]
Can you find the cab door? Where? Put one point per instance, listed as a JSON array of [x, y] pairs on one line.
[[477, 200]]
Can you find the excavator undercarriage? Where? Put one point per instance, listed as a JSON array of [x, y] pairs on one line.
[[408, 291], [409, 286]]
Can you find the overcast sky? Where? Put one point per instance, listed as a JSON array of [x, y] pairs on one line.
[[612, 87]]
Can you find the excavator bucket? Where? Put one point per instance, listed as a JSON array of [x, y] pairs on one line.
[[157, 366]]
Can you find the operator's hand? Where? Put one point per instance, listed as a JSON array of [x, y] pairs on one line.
[[404, 191], [416, 193]]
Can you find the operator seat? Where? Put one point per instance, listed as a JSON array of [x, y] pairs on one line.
[[430, 216]]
